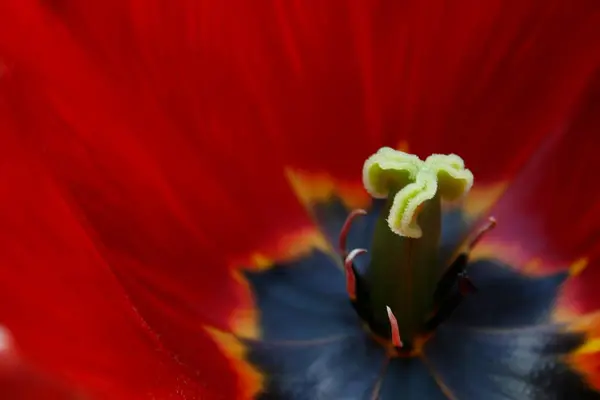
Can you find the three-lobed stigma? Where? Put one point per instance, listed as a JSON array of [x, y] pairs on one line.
[[411, 182]]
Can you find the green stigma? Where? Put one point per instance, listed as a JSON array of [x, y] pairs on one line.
[[404, 270], [412, 182]]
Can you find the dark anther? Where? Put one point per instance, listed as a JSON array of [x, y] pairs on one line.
[[448, 280], [465, 286], [455, 284], [444, 311], [446, 306]]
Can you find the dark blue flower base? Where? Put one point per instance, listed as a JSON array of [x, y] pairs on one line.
[[500, 344]]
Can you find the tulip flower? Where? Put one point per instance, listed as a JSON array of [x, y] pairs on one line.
[[299, 199]]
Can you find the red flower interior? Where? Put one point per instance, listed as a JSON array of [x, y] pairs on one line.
[[147, 149]]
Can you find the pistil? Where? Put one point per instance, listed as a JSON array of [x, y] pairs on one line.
[[404, 271]]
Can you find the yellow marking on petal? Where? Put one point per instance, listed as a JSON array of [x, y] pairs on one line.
[[516, 255], [244, 319], [578, 323], [578, 266], [567, 312], [312, 188], [586, 359], [563, 314], [482, 197], [287, 247], [590, 346], [567, 308], [510, 253], [260, 261], [251, 380], [534, 267], [513, 254], [299, 244]]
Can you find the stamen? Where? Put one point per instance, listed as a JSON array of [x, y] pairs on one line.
[[446, 309], [454, 271], [491, 224], [449, 300], [457, 272], [465, 286], [396, 340], [346, 229], [350, 278]]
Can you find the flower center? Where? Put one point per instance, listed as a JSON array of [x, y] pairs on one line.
[[405, 293]]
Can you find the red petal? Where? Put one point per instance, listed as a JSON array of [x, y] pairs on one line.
[[185, 126], [329, 81], [141, 109], [60, 298], [18, 381], [549, 219], [158, 150], [487, 80], [22, 383], [68, 312]]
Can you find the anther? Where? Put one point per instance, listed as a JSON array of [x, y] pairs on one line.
[[465, 286], [396, 340], [346, 229], [350, 277], [491, 224]]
